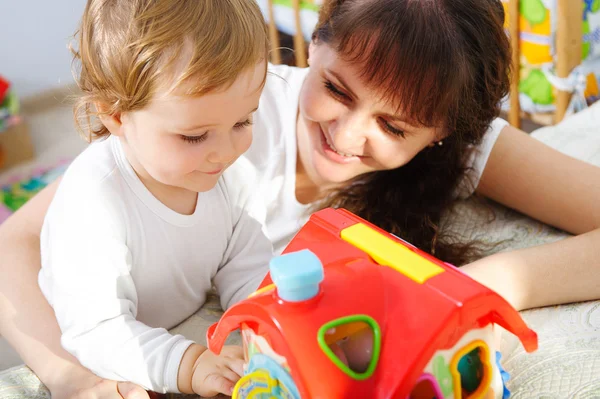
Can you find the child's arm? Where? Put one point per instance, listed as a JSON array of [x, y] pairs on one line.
[[246, 261], [526, 175], [27, 321], [86, 277]]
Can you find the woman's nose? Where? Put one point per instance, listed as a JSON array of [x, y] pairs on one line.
[[349, 133]]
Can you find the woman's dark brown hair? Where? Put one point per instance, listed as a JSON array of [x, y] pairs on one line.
[[443, 63]]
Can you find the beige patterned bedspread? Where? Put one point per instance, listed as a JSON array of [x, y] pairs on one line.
[[567, 364]]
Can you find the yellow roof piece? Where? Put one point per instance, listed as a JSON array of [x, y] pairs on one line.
[[388, 252]]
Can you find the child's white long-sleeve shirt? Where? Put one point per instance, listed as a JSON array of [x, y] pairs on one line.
[[119, 267]]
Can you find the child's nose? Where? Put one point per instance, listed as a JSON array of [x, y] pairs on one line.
[[224, 153]]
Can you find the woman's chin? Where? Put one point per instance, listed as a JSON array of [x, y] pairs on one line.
[[331, 174]]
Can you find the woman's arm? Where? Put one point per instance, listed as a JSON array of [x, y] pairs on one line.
[[26, 319], [525, 174]]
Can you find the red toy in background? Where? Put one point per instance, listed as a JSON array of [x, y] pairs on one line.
[[350, 311], [4, 87]]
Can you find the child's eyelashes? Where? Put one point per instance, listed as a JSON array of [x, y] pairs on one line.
[[194, 139], [246, 123], [200, 138]]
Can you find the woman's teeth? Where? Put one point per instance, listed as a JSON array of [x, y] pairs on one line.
[[336, 151]]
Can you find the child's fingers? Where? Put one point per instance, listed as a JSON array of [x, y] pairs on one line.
[[234, 351], [231, 375], [237, 366], [216, 383]]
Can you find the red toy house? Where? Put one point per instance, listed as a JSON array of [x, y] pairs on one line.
[[362, 314]]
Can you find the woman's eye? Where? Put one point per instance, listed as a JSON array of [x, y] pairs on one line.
[[241, 125], [391, 129], [337, 93], [194, 139]]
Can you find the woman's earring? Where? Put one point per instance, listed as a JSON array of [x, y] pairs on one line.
[[440, 143]]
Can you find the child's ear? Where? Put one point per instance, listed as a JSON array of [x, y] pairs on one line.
[[111, 121]]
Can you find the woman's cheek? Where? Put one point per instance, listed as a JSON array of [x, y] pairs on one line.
[[319, 107]]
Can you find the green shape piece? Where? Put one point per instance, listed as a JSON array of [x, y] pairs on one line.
[[376, 344], [537, 87], [441, 372], [470, 368], [533, 11], [11, 102], [595, 5]]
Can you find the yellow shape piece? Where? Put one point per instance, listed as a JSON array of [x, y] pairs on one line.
[[388, 252], [488, 370], [254, 385]]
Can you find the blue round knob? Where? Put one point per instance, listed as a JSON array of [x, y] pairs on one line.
[[297, 275]]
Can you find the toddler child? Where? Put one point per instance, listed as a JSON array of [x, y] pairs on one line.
[[146, 220]]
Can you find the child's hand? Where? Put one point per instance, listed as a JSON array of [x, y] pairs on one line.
[[214, 374]]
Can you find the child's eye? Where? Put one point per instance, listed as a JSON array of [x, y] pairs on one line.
[[194, 139], [391, 129], [335, 92], [241, 125]]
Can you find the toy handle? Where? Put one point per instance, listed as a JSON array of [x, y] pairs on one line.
[[210, 335]]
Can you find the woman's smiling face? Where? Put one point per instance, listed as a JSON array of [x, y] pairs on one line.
[[346, 129]]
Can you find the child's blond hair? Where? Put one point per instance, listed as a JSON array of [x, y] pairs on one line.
[[128, 49]]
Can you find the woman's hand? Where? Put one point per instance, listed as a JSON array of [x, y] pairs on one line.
[[561, 272], [90, 386]]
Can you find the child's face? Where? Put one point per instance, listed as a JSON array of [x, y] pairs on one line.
[[187, 142]]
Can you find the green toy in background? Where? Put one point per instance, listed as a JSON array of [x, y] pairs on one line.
[[538, 84]]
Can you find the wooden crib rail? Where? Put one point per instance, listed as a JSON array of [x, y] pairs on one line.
[[569, 36], [273, 36], [299, 42], [569, 41], [514, 114]]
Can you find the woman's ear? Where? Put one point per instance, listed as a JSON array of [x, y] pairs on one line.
[[111, 121], [311, 49]]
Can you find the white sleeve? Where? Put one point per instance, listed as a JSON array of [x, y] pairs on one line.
[[478, 158], [85, 275], [246, 261]]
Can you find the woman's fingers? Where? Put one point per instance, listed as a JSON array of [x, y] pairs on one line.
[[129, 390]]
